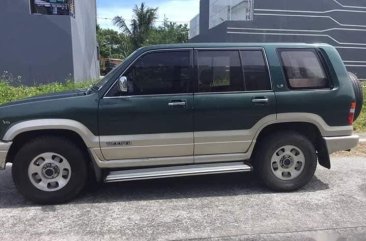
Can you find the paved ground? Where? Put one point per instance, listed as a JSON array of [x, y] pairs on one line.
[[362, 137], [223, 207]]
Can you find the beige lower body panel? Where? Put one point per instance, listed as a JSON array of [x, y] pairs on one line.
[[141, 162], [147, 151], [177, 148], [147, 146], [155, 150], [4, 149], [221, 147], [165, 161], [3, 155], [221, 158], [222, 142], [175, 144]]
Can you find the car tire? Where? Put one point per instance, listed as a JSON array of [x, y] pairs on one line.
[[285, 161], [50, 170], [358, 89]]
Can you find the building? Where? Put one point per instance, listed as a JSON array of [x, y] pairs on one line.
[[341, 23], [46, 41]]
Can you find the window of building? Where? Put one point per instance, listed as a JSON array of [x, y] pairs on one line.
[[159, 73], [53, 7], [219, 71], [303, 69], [256, 74]]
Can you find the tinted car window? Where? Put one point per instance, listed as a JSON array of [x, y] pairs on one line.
[[303, 69], [255, 70], [158, 73], [219, 71]]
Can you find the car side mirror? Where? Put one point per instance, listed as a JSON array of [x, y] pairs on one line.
[[123, 86]]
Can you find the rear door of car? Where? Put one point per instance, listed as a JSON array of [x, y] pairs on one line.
[[310, 89], [233, 98]]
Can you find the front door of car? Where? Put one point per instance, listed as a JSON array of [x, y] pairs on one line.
[[151, 116], [233, 99]]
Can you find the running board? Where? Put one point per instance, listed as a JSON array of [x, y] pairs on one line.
[[177, 171]]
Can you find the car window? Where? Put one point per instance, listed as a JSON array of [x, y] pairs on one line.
[[219, 71], [166, 72], [303, 69], [255, 69]]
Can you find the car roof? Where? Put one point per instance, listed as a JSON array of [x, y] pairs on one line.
[[233, 45]]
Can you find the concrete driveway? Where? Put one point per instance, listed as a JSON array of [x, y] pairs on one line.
[[221, 207]]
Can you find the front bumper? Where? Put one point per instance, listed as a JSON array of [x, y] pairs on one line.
[[4, 148], [341, 143]]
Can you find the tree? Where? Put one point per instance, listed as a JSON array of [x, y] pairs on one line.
[[113, 44], [141, 24], [140, 32], [169, 32]]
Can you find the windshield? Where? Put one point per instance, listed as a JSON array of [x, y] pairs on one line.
[[106, 78]]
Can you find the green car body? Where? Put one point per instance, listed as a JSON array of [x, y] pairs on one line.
[[130, 131]]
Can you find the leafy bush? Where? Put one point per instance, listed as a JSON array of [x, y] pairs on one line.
[[10, 93]]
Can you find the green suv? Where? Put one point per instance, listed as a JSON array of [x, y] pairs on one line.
[[180, 110]]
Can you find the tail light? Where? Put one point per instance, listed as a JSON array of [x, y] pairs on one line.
[[351, 115]]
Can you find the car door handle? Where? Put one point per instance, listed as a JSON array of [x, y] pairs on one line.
[[263, 100], [177, 103]]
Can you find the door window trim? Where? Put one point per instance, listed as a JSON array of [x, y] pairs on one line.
[[190, 50], [268, 71], [239, 49]]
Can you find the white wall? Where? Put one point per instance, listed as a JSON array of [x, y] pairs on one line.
[[194, 27], [223, 10], [84, 41]]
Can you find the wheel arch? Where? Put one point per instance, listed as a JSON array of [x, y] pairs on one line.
[[23, 132], [22, 138], [88, 137], [309, 130]]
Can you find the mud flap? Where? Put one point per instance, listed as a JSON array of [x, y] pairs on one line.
[[323, 154]]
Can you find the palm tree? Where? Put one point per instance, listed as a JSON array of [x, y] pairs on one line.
[[140, 26]]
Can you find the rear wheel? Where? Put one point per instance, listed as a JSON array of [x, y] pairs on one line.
[[50, 170], [285, 161]]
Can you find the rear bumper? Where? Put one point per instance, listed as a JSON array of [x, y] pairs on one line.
[[4, 148], [341, 143]]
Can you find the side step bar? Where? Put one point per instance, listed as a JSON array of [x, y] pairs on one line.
[[177, 171]]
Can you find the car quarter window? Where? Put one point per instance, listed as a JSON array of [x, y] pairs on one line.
[[255, 69], [303, 69], [166, 72], [219, 71]]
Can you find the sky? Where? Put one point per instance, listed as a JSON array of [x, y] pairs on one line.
[[180, 11]]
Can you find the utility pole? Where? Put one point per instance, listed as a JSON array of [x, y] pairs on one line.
[[110, 46]]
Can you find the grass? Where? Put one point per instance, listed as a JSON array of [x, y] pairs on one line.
[[10, 93]]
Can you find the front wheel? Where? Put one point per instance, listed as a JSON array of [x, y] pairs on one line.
[[285, 161], [50, 170]]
